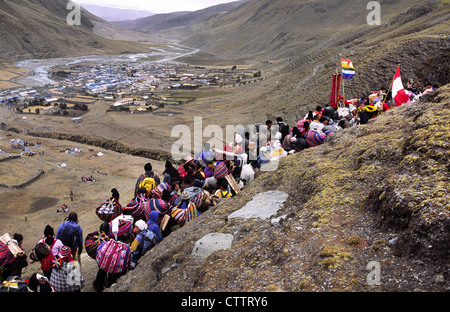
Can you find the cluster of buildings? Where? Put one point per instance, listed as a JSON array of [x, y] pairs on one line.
[[123, 84]]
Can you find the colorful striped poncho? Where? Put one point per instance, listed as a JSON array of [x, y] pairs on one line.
[[113, 257], [184, 212], [157, 192], [300, 125], [158, 205], [316, 138]]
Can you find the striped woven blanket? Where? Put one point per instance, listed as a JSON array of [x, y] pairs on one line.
[[113, 257]]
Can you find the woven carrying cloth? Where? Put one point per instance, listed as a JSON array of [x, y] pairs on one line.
[[109, 210], [113, 257], [136, 207], [67, 278]]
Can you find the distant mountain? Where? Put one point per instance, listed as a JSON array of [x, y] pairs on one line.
[[166, 24], [275, 28], [115, 14], [39, 29]]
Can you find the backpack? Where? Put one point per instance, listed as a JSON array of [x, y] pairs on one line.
[[224, 194], [93, 241], [149, 240], [40, 251], [113, 257], [47, 261], [109, 210], [68, 236], [149, 184], [6, 256], [364, 117]]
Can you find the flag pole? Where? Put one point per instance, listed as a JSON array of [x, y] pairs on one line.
[[342, 83], [390, 87], [336, 87]]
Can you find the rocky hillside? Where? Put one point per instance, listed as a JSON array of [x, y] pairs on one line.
[[377, 192], [275, 29], [39, 29]]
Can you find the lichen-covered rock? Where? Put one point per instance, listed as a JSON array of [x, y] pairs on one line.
[[210, 243]]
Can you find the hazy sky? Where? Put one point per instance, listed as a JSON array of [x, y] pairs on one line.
[[156, 6]]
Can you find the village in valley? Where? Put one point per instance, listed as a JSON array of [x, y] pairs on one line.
[[134, 87]]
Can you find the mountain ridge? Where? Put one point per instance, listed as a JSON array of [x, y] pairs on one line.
[[39, 29], [112, 14], [165, 23]]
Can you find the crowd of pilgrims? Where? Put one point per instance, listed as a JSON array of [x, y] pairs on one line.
[[168, 201]]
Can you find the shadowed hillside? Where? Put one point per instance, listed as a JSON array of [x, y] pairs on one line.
[[38, 29]]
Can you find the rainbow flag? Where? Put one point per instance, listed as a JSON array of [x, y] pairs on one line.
[[348, 71]]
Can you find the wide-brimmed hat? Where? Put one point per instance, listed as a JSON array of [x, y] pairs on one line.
[[185, 195]]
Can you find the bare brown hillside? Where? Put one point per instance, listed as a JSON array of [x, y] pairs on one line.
[[38, 29]]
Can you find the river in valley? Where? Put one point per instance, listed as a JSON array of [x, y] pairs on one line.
[[40, 67]]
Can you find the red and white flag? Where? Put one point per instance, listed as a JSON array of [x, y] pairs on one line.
[[398, 91]]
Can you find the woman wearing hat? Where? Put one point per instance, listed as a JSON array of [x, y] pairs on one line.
[[185, 211], [190, 167], [144, 241]]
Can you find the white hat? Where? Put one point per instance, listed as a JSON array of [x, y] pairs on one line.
[[238, 139], [263, 149], [278, 136], [141, 225], [185, 195], [293, 140]]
